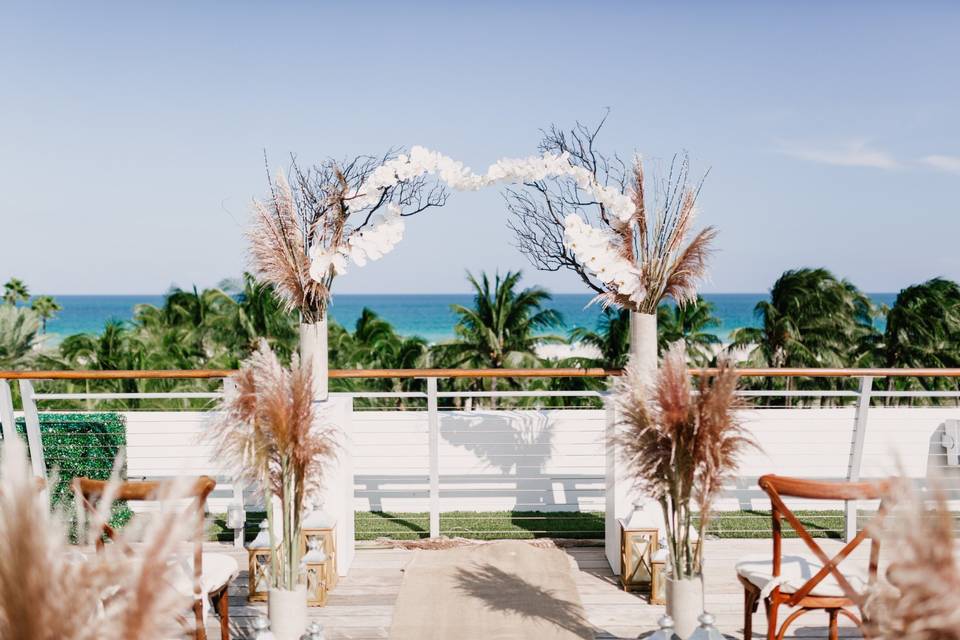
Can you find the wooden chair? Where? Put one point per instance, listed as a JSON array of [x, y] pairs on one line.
[[808, 584], [216, 588]]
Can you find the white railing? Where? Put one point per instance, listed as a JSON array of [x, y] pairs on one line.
[[434, 458]]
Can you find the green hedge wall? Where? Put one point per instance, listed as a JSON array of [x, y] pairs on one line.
[[79, 444]]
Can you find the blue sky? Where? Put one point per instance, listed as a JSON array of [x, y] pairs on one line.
[[131, 134]]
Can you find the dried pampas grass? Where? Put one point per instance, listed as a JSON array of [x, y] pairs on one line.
[[680, 445], [278, 249], [919, 596], [266, 431], [671, 262], [50, 590]]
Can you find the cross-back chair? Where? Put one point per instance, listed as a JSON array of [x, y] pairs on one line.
[[807, 584], [214, 583]]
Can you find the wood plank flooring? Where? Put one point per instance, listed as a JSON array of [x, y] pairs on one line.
[[361, 606]]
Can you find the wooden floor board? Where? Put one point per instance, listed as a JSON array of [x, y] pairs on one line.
[[361, 606]]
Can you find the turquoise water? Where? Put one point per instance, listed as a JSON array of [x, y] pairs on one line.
[[426, 315]]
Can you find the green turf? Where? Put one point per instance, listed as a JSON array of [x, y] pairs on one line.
[[492, 525]]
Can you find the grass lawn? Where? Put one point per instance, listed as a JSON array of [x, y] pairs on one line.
[[492, 525]]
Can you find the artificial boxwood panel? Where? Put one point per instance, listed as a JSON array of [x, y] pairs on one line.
[[79, 444]]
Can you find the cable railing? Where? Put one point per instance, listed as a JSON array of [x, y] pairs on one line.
[[438, 451]]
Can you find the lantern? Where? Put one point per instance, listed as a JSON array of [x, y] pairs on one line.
[[315, 562], [658, 577], [637, 547], [314, 632], [262, 628], [658, 582], [258, 573], [666, 630], [706, 630], [321, 526]]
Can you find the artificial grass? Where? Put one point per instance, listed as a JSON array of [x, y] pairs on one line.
[[525, 525]]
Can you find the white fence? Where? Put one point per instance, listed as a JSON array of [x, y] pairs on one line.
[[435, 460]]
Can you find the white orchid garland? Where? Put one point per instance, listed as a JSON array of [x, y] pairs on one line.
[[598, 249]]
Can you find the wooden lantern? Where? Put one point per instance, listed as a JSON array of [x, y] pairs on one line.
[[637, 547], [658, 577], [317, 526], [258, 571], [316, 563], [658, 582]]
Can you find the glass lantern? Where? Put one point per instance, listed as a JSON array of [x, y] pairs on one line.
[[261, 628], [314, 632], [321, 526], [258, 572], [637, 546], [315, 563], [665, 632], [706, 630]]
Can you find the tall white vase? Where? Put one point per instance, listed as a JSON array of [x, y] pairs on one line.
[[313, 353], [288, 612], [643, 343], [685, 604]]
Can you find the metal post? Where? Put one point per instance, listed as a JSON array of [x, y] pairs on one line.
[[7, 425], [237, 514], [856, 453], [433, 438], [32, 419]]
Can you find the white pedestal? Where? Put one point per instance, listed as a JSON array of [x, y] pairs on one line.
[[338, 485], [620, 498]]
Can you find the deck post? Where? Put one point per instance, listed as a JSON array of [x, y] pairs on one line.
[[433, 437], [237, 513], [856, 453], [7, 424], [32, 420]]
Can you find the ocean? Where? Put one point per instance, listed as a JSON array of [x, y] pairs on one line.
[[426, 315]]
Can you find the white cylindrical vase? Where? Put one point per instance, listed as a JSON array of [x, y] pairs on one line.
[[643, 344], [685, 604], [313, 353], [288, 612]]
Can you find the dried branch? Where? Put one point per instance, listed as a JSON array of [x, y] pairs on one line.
[[537, 209]]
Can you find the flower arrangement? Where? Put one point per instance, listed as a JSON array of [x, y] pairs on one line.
[[50, 590], [919, 595], [305, 234], [679, 445], [641, 260], [266, 431]]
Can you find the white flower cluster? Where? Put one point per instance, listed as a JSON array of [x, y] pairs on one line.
[[373, 242], [597, 250], [368, 244]]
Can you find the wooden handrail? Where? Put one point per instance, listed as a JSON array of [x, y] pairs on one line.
[[471, 373]]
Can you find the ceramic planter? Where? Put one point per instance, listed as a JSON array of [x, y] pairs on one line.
[[288, 612]]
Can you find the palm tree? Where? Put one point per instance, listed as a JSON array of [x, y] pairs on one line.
[[261, 314], [689, 323], [375, 344], [502, 328], [15, 291], [812, 319], [18, 337], [923, 330], [611, 338], [45, 307]]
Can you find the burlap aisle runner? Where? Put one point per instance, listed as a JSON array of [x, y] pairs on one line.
[[489, 592]]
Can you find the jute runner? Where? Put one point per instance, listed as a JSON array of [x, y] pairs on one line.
[[489, 592]]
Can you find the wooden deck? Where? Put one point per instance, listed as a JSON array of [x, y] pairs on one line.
[[361, 606]]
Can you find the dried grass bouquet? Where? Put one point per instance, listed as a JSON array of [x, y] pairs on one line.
[[680, 444], [919, 595], [51, 590], [266, 431]]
